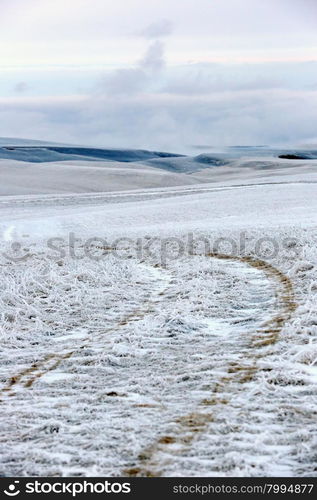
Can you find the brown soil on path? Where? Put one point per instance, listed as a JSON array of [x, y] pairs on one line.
[[198, 421]]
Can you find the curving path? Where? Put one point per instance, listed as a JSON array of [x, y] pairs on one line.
[[173, 425], [240, 373]]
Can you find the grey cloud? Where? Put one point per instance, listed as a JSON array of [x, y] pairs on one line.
[[205, 79], [154, 57], [137, 78], [169, 122], [123, 81], [159, 29], [202, 85], [153, 106], [21, 87]]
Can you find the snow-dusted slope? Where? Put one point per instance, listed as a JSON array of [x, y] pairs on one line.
[[188, 347], [82, 177], [29, 169]]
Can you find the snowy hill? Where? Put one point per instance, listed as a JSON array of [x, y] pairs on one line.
[[33, 167], [168, 331]]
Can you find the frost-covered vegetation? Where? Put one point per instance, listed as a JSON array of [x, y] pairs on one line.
[[163, 331], [125, 366]]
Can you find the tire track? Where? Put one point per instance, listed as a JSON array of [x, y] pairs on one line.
[[105, 197], [27, 377], [198, 421]]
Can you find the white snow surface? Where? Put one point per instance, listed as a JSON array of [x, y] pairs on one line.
[[134, 362]]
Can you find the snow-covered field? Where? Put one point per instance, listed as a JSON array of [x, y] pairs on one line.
[[168, 330]]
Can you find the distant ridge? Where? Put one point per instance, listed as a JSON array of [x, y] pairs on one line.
[[43, 153], [15, 141], [31, 151]]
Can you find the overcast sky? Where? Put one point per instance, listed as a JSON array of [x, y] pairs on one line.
[[164, 74]]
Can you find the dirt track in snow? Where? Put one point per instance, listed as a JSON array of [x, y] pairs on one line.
[[195, 422]]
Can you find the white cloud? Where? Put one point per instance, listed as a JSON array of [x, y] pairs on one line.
[[159, 100], [45, 32]]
